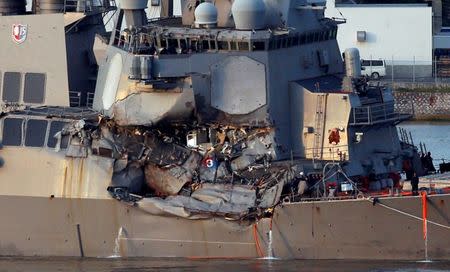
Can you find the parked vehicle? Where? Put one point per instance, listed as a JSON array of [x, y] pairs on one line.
[[373, 68]]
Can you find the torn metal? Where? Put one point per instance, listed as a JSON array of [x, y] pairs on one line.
[[186, 170]]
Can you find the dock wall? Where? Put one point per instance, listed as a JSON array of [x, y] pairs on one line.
[[424, 105]]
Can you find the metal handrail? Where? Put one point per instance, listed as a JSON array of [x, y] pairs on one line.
[[75, 99], [328, 151], [90, 99], [78, 100], [376, 113]]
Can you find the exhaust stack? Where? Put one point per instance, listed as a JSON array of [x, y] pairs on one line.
[[352, 63], [134, 11]]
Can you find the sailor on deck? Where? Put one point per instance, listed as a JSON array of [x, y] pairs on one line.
[[415, 184]]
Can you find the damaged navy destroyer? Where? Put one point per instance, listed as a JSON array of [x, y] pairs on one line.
[[235, 130]]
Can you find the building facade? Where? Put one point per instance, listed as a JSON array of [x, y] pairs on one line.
[[399, 34]]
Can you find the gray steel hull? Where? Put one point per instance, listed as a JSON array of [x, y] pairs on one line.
[[353, 229]]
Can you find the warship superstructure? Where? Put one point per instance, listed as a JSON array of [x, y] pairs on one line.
[[235, 130]]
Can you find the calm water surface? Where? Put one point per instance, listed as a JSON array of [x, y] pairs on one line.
[[183, 265], [435, 135]]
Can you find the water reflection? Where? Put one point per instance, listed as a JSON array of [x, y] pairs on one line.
[[182, 265]]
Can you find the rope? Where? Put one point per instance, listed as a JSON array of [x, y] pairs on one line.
[[409, 215]]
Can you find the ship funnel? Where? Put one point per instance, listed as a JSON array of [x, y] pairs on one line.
[[12, 7], [206, 15], [249, 14], [134, 12], [352, 62]]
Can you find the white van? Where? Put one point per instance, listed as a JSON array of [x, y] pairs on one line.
[[373, 68]]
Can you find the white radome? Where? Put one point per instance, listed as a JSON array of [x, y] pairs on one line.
[[205, 14]]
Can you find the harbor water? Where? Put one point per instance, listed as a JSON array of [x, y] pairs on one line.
[[184, 265], [435, 136]]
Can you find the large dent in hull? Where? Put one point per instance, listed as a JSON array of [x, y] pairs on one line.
[[220, 171], [213, 204], [150, 108]]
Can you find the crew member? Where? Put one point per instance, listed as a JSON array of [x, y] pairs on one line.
[[415, 184], [429, 161]]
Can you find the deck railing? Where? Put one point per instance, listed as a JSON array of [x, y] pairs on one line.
[[79, 99], [329, 152], [375, 114]]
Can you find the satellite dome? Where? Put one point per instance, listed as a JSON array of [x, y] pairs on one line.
[[205, 15], [249, 14]]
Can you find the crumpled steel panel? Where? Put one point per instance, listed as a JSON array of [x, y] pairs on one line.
[[238, 85]]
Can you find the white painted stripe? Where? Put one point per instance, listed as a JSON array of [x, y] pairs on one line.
[[185, 241]]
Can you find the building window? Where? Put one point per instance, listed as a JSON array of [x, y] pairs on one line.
[[272, 44], [223, 45], [258, 46], [173, 43], [194, 45], [212, 45], [12, 131], [243, 46], [233, 46], [205, 45], [35, 133]]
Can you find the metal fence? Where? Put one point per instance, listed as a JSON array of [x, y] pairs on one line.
[[413, 70], [375, 114]]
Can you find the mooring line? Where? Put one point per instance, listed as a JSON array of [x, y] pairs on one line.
[[410, 215]]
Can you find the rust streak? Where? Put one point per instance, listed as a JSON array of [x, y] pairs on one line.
[[63, 192], [80, 177]]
